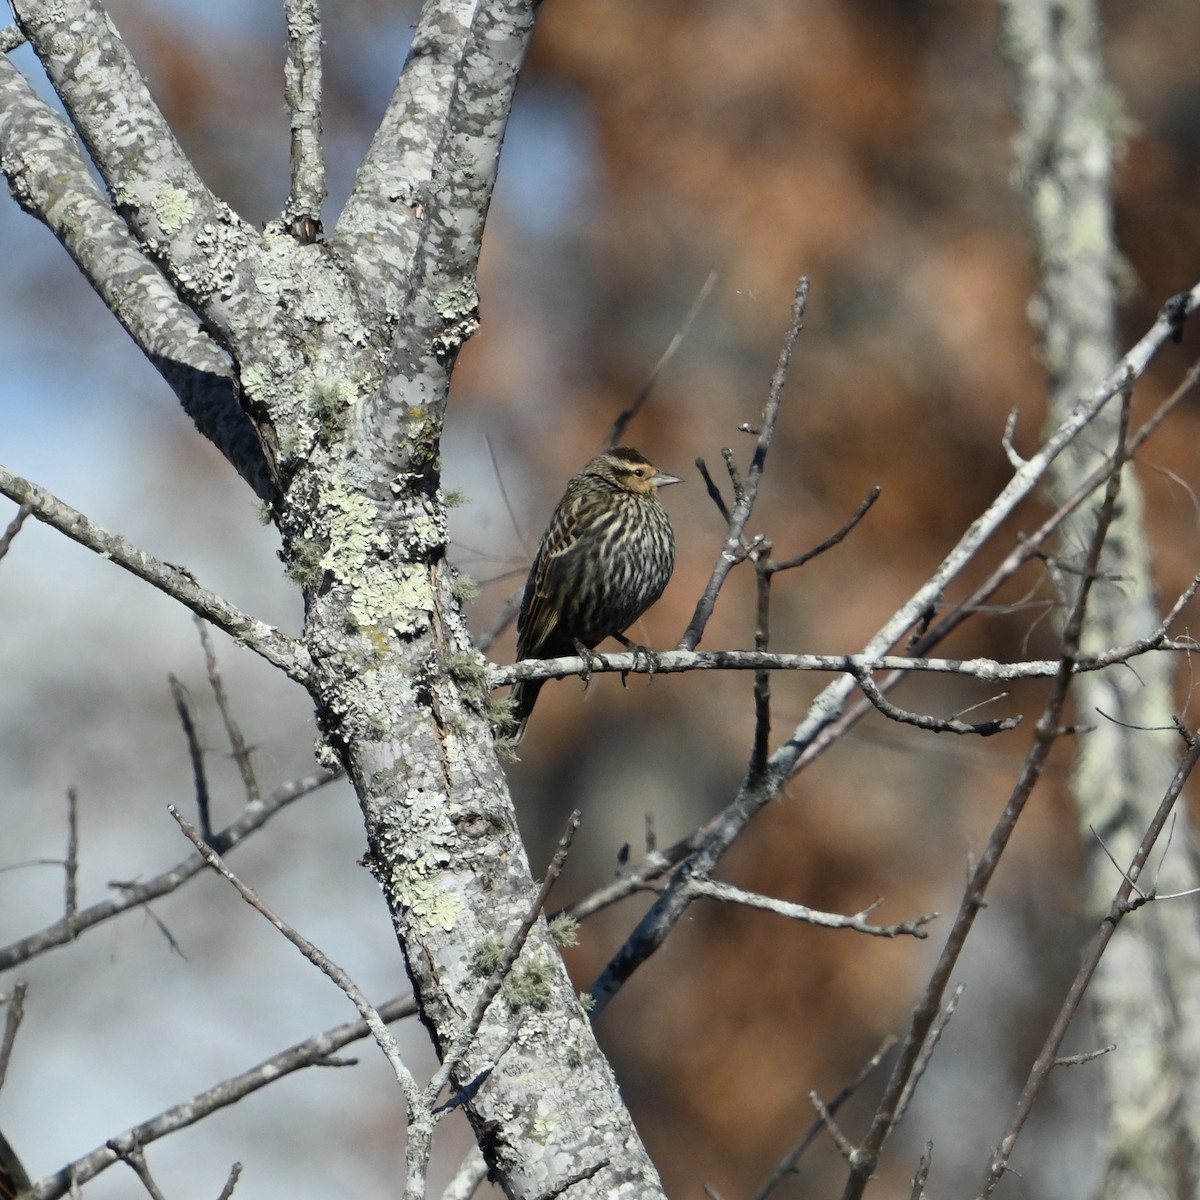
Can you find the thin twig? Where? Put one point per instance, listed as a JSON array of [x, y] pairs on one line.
[[508, 504], [745, 505], [235, 1173], [714, 492], [762, 679], [320, 960], [841, 535], [932, 724], [71, 866], [1078, 1060], [1048, 1058], [314, 1051], [921, 1065], [845, 1149], [922, 1173], [14, 527], [787, 1165], [715, 890], [622, 422], [470, 1030], [187, 719], [136, 895], [135, 1160], [237, 743], [12, 1022]]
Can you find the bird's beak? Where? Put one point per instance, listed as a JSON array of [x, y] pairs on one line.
[[661, 479]]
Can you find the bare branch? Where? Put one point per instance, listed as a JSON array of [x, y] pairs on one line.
[[277, 648], [187, 718], [14, 527], [936, 1029], [12, 1022], [470, 1030], [162, 198], [715, 890], [845, 1149], [133, 1157], [744, 505], [51, 182], [314, 1051], [1078, 1060], [622, 422], [926, 1012], [788, 1165], [673, 662], [135, 895], [828, 544], [237, 743], [1048, 1058], [235, 1173], [922, 1173], [71, 866], [932, 724], [321, 961], [762, 679], [472, 1171], [714, 492]]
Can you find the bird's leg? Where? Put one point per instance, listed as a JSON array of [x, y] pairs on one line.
[[589, 656], [638, 651]]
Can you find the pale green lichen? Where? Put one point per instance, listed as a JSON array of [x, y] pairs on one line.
[[487, 956], [174, 209], [467, 667], [464, 589], [255, 379], [564, 930], [352, 533], [531, 985], [507, 749], [436, 909]]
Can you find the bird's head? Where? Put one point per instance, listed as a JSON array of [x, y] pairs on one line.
[[629, 470]]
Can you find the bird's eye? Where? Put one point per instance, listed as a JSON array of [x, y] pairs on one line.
[[639, 472]]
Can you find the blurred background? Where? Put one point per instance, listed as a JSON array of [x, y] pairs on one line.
[[864, 143]]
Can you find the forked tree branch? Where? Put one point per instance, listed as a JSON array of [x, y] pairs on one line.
[[315, 1051]]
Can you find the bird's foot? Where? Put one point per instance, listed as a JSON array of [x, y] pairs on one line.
[[589, 657], [639, 652]]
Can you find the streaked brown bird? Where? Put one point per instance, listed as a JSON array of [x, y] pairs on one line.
[[13, 1180], [604, 559]]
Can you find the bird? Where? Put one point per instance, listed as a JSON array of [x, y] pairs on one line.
[[605, 558], [13, 1180]]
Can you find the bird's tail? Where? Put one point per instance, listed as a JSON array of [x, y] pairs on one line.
[[523, 696]]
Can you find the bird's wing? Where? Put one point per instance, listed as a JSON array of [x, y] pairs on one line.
[[548, 584]]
